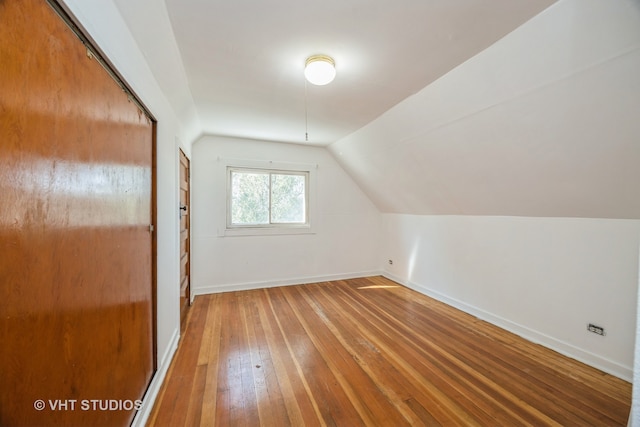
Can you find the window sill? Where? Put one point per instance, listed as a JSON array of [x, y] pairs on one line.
[[265, 231]]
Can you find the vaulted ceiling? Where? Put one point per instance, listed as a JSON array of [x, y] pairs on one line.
[[238, 65], [543, 123], [471, 107]]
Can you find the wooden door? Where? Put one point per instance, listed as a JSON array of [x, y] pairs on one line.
[[185, 225], [76, 252]]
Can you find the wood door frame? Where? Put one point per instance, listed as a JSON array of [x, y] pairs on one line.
[[154, 243], [189, 299]]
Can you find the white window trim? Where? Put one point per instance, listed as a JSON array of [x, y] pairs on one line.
[[225, 230]]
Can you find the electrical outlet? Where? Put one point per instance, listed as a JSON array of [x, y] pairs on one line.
[[595, 329], [390, 262]]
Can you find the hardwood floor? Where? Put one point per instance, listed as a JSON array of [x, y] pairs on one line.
[[370, 352]]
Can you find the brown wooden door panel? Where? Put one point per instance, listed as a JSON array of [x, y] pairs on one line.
[[184, 240], [185, 223], [76, 255]]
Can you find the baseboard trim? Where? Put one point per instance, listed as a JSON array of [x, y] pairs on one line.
[[205, 290], [598, 362], [156, 382]]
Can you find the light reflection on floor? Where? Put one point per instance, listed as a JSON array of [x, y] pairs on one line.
[[379, 287]]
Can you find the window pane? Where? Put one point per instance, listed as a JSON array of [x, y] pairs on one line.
[[288, 204], [249, 198]]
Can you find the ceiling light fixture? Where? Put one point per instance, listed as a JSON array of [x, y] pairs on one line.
[[320, 70]]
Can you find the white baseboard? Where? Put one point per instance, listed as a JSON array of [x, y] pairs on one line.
[[156, 382], [598, 362], [204, 290]]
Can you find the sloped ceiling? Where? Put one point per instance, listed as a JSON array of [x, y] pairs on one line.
[[471, 107], [546, 122], [239, 64]]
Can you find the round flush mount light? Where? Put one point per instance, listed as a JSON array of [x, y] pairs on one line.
[[319, 70]]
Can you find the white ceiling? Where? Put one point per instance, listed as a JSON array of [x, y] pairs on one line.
[[470, 107], [236, 67]]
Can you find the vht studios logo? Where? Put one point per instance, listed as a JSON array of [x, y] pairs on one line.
[[87, 405]]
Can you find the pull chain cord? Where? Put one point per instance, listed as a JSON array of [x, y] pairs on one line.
[[306, 114]]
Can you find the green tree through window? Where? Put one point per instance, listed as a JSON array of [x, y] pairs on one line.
[[263, 198]]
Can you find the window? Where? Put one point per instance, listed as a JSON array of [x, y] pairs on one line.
[[265, 198]]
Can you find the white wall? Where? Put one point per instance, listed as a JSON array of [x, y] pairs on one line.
[[105, 25], [543, 278], [634, 417], [346, 224]]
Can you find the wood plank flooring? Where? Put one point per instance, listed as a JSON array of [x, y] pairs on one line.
[[369, 352]]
